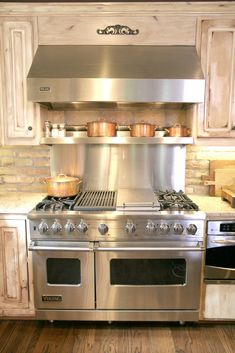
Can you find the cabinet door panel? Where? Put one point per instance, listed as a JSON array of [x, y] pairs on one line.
[[219, 302], [217, 54], [19, 115], [13, 264]]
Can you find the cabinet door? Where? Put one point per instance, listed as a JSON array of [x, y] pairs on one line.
[[19, 116], [13, 265], [217, 115], [219, 302]]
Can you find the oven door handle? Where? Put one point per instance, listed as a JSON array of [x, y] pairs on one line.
[[223, 241], [33, 247], [111, 248]]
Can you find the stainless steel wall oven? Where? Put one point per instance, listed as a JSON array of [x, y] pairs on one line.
[[220, 251]]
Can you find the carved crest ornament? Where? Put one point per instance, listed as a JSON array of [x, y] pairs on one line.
[[118, 30]]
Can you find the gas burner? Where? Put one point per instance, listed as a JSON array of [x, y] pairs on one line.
[[175, 201], [51, 203]]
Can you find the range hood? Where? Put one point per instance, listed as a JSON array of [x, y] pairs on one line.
[[62, 76]]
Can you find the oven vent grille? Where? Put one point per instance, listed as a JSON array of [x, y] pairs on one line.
[[96, 200]]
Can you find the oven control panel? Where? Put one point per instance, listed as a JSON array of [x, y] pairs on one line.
[[221, 227], [118, 228]]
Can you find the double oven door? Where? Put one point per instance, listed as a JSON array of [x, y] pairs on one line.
[[116, 276], [136, 277], [63, 275]]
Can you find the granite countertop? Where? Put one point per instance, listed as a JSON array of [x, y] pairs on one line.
[[214, 206], [19, 202], [22, 203]]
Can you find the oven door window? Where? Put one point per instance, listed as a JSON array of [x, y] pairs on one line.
[[221, 256], [65, 271], [148, 272]]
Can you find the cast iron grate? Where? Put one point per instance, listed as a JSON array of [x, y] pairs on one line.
[[95, 200]]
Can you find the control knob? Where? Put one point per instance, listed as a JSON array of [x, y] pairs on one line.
[[130, 227], [103, 228], [82, 227], [150, 227], [69, 226], [164, 228], [56, 227], [192, 229], [178, 228], [43, 227]]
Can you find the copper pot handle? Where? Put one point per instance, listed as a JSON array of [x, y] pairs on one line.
[[43, 180], [61, 175]]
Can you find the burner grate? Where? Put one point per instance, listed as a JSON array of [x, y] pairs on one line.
[[95, 200], [51, 203], [175, 201]]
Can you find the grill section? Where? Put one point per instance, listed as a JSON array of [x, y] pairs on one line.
[[95, 200]]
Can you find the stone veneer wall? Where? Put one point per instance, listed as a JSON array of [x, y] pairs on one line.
[[197, 165], [22, 167]]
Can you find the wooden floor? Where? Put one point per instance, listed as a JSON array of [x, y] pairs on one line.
[[80, 337]]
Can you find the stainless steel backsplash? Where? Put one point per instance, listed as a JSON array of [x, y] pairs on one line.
[[122, 166]]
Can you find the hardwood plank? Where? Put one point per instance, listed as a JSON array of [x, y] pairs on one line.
[[127, 337], [19, 336], [6, 329], [161, 340], [227, 338]]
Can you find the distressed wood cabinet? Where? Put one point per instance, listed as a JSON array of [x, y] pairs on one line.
[[20, 118], [117, 30], [219, 302], [14, 286], [216, 117]]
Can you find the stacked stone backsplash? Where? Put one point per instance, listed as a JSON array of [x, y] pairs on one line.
[[197, 165], [21, 168]]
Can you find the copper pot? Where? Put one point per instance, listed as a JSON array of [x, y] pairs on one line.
[[142, 130], [62, 185], [101, 129], [178, 130]]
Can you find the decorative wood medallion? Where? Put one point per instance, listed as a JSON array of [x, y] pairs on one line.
[[118, 30]]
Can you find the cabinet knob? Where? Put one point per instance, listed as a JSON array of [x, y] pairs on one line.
[[30, 128]]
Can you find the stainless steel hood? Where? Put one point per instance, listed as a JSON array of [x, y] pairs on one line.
[[77, 74]]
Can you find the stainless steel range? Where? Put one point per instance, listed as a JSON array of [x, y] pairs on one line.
[[130, 254]]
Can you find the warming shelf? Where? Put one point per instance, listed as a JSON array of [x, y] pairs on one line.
[[117, 140]]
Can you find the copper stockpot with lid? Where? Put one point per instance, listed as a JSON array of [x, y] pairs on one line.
[[62, 185], [178, 130], [101, 128], [142, 130]]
